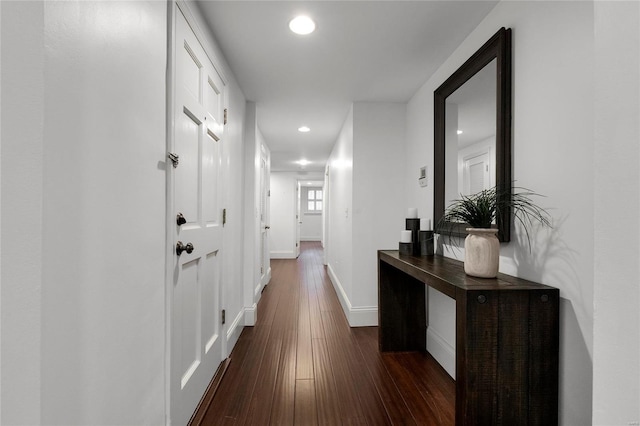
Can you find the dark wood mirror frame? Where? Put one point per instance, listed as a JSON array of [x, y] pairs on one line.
[[499, 48]]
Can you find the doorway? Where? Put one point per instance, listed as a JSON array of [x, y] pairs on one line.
[[310, 208]]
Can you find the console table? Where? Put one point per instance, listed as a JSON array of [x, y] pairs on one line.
[[507, 336]]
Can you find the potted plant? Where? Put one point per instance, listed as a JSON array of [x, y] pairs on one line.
[[481, 211]]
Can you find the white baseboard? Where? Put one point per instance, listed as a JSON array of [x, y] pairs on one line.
[[265, 278], [282, 254], [318, 238], [250, 315], [257, 291], [363, 316], [442, 351], [234, 330], [358, 316]]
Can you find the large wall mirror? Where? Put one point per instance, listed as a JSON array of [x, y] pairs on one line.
[[472, 121]]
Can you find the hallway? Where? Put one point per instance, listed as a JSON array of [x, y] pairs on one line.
[[302, 364]]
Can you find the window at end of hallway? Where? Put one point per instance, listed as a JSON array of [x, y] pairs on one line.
[[314, 200]]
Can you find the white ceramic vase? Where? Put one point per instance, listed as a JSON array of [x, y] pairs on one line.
[[481, 253]]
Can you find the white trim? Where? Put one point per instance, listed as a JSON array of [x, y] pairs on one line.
[[265, 278], [250, 315], [359, 316], [363, 316], [283, 254], [169, 250], [441, 351], [233, 332], [342, 296], [200, 35], [315, 238]]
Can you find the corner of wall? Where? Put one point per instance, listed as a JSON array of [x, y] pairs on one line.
[[359, 316]]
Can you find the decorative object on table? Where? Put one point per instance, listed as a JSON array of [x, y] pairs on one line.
[[406, 243], [413, 225], [426, 243], [406, 248], [481, 211], [425, 237], [409, 236], [405, 236]]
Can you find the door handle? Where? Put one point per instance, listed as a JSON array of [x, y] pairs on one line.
[[267, 227], [180, 248], [180, 220]]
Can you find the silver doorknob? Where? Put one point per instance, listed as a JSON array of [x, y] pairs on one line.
[[267, 227], [180, 248]]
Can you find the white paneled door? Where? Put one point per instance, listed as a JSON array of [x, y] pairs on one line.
[[196, 323]]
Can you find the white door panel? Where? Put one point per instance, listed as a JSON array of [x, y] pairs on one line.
[[195, 302], [475, 174]]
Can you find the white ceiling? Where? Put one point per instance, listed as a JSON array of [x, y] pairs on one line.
[[361, 51]]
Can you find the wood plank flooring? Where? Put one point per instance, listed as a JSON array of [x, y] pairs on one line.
[[301, 364]]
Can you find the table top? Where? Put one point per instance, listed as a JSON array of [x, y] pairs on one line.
[[447, 275]]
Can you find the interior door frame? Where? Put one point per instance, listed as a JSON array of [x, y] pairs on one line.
[[169, 182], [265, 216], [298, 215]]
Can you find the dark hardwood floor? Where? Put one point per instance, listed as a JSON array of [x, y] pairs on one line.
[[301, 364]]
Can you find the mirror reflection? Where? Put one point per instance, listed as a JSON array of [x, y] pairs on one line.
[[470, 135]]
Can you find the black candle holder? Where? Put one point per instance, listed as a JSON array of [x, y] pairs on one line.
[[406, 248], [426, 243], [413, 225]]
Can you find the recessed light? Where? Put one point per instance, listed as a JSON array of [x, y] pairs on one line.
[[304, 129], [302, 25], [303, 162], [459, 132]]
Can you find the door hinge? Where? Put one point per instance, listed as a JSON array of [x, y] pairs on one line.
[[261, 270], [224, 316], [175, 158], [269, 193], [224, 216], [225, 116]]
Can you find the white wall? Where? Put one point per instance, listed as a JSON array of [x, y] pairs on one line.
[[311, 227], [616, 322], [94, 184], [367, 208], [0, 213], [254, 145], [339, 187], [379, 196], [554, 153], [22, 141], [84, 151]]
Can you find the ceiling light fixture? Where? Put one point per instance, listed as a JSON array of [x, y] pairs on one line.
[[459, 132], [302, 25], [303, 162], [304, 129]]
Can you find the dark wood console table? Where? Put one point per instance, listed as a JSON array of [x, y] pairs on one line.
[[507, 336]]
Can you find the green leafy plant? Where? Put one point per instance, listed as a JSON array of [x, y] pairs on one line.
[[484, 208]]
